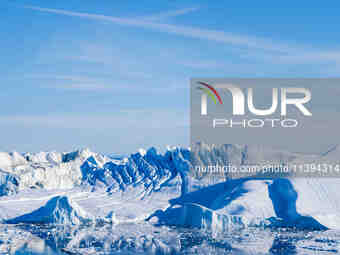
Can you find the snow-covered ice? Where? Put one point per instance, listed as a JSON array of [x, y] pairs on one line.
[[84, 188], [58, 210]]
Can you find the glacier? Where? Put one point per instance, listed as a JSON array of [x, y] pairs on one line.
[[153, 190]]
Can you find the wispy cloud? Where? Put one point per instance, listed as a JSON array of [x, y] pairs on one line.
[[87, 83], [73, 82], [266, 49], [129, 118], [73, 78], [278, 50], [169, 14], [187, 31]]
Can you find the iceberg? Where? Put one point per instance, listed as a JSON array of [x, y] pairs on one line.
[[58, 210], [8, 184], [148, 183], [299, 203]]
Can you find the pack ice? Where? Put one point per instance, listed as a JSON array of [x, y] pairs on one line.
[[82, 186]]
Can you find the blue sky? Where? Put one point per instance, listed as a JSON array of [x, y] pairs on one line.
[[114, 75]]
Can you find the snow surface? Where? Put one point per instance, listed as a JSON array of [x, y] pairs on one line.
[[84, 187]]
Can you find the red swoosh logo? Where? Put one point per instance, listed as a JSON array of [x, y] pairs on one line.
[[212, 89]]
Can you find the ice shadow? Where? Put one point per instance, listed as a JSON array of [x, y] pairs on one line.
[[284, 196], [206, 196], [281, 193]]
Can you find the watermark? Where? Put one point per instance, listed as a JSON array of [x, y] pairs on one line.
[[255, 123], [280, 120], [321, 169], [239, 105]]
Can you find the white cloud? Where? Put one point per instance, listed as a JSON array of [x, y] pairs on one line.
[[73, 82], [277, 51], [87, 83], [169, 14], [132, 119], [193, 32]]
